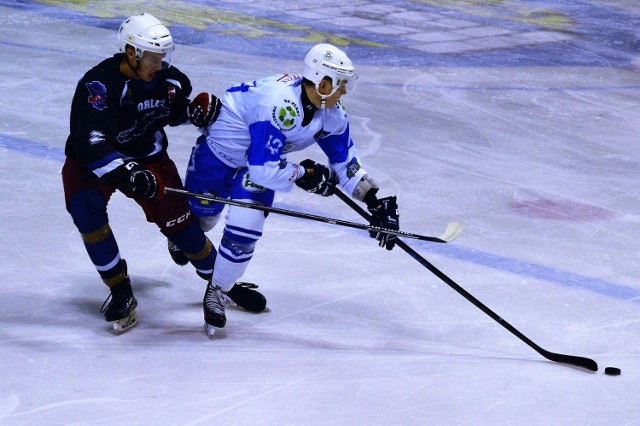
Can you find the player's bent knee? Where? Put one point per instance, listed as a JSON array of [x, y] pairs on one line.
[[237, 250], [192, 241], [89, 211]]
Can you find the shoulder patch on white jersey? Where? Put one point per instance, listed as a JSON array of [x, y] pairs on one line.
[[289, 78], [286, 115]]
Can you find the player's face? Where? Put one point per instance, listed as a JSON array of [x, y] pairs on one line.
[[150, 64], [327, 87]]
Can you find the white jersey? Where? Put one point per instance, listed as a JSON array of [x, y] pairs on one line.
[[261, 121]]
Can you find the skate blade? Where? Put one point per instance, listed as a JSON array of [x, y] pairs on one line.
[[125, 324], [210, 330]]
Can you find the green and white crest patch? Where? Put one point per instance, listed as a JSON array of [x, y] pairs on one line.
[[286, 115]]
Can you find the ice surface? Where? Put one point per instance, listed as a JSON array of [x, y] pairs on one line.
[[517, 119]]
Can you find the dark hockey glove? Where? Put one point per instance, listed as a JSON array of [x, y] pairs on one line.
[[141, 182], [384, 214], [204, 109], [317, 179]]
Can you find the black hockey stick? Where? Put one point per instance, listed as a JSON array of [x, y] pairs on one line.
[[451, 233], [577, 361]]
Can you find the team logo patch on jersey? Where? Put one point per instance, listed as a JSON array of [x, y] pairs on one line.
[[250, 186], [96, 137], [286, 116], [97, 95], [288, 78], [353, 168]]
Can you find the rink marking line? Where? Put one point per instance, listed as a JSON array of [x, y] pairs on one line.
[[32, 148], [500, 263], [537, 271]]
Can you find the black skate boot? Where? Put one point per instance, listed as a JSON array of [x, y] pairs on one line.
[[213, 305], [120, 306], [245, 296], [178, 256]]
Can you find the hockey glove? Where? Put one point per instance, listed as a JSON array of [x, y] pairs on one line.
[[141, 182], [317, 179], [204, 109], [384, 214]]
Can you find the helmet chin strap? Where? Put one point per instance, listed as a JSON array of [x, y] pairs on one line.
[[135, 70], [139, 54], [323, 98]]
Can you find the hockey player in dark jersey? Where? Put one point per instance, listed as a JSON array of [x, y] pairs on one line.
[[117, 142]]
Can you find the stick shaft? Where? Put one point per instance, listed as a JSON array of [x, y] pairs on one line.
[[301, 215], [582, 362]]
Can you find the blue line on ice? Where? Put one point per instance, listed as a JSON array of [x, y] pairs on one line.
[[536, 271], [32, 148]]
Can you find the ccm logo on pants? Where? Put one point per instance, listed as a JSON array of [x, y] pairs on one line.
[[178, 220]]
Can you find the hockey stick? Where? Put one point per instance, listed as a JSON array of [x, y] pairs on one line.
[[577, 361], [451, 233]]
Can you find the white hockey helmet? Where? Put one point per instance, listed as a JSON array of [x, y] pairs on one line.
[[145, 33], [326, 60]]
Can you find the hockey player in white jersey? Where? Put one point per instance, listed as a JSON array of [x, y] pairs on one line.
[[242, 156]]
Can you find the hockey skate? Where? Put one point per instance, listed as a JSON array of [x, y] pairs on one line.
[[213, 305], [178, 256], [245, 296], [119, 308]]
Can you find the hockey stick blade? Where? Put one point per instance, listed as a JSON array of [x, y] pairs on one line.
[[450, 233], [453, 231], [577, 361]]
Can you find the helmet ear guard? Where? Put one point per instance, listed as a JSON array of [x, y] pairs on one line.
[[145, 33]]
